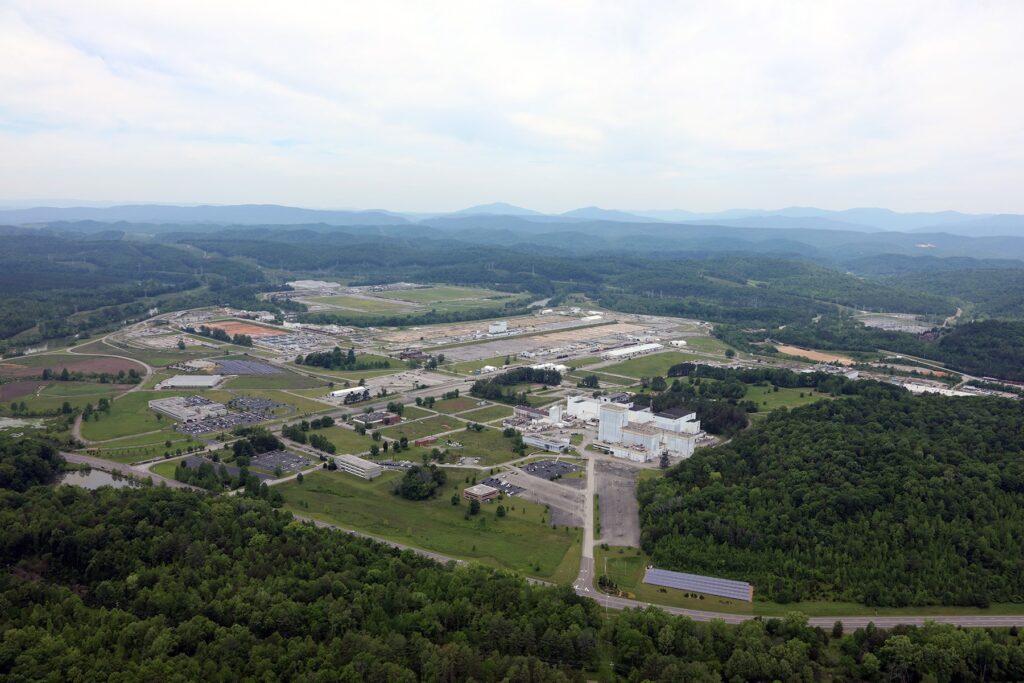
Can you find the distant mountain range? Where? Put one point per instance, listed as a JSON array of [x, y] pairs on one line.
[[866, 220]]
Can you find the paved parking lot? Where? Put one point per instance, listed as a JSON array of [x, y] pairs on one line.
[[620, 513], [246, 367], [288, 462], [550, 469]]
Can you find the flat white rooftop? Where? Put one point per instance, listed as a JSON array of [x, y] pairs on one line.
[[191, 381]]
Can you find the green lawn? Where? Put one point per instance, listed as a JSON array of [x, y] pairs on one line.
[[164, 469], [467, 367], [456, 405], [78, 394], [414, 413], [626, 566], [420, 428], [522, 541], [492, 412], [707, 344], [488, 445], [142, 447], [131, 415], [347, 440], [653, 365], [364, 305], [768, 400]]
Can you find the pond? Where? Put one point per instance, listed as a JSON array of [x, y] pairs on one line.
[[93, 479]]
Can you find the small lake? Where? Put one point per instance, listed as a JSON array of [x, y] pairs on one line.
[[93, 479]]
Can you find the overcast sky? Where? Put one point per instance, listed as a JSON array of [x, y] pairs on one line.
[[439, 105]]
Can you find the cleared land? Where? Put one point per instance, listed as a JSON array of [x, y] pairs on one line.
[[489, 446], [820, 356], [521, 541], [347, 440], [768, 400], [620, 513], [430, 295]]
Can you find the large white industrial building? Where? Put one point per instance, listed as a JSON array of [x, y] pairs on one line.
[[638, 435], [190, 382], [631, 351], [352, 394]]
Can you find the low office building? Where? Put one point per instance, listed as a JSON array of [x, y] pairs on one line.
[[631, 351], [545, 444], [481, 493], [188, 408], [377, 419], [357, 466], [191, 382]]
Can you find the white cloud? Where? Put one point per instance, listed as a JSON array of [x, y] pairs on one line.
[[552, 105]]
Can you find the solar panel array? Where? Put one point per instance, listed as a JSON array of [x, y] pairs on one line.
[[247, 367], [726, 588]]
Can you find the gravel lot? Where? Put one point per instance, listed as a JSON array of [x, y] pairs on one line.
[[620, 513]]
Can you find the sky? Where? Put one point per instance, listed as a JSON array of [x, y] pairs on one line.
[[434, 106]]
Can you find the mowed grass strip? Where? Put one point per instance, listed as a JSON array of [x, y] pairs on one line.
[[521, 541], [365, 305], [492, 412], [430, 295]]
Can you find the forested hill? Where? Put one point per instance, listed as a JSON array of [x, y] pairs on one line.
[[158, 585], [884, 499]]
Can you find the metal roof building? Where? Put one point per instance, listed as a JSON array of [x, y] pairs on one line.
[[710, 585], [190, 382]]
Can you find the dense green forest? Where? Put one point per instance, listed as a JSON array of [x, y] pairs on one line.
[[160, 585], [992, 292], [883, 498], [987, 348]]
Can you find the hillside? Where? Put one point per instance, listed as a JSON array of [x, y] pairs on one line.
[[884, 499]]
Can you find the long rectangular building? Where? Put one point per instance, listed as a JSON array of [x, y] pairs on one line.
[[357, 466]]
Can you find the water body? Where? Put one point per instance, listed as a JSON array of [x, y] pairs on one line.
[[93, 479]]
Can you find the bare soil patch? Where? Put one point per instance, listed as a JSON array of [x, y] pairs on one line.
[[820, 356], [13, 390]]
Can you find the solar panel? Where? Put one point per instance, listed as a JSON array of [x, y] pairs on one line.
[[726, 588]]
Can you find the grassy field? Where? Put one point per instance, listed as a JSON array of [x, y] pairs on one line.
[[707, 344], [363, 305], [467, 367], [143, 447], [654, 365], [626, 566], [456, 405], [420, 428], [492, 412], [584, 361], [131, 415], [522, 541], [432, 295], [768, 400], [164, 469], [78, 394], [414, 413], [347, 440], [488, 445]]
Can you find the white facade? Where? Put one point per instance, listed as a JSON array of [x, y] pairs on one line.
[[678, 343], [638, 435], [500, 327], [357, 466], [557, 367], [612, 417], [631, 351]]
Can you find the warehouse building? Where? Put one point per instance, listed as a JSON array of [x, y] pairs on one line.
[[481, 493], [357, 466], [188, 408], [351, 395], [631, 351], [191, 382]]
